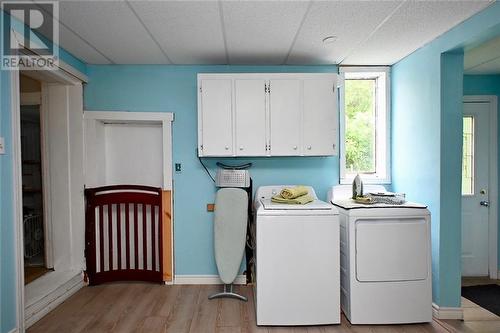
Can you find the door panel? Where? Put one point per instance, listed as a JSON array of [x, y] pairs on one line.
[[216, 117], [285, 117], [250, 107], [392, 249], [320, 117], [475, 180]]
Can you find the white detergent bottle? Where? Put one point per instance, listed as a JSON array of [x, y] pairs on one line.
[[357, 187]]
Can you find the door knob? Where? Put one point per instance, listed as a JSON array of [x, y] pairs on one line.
[[484, 203]]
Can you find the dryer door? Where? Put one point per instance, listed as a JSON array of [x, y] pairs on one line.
[[392, 249]]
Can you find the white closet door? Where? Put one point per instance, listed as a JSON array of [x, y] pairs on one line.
[[250, 107], [284, 114], [216, 117], [320, 117]]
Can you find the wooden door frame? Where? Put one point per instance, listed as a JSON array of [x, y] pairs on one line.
[[493, 180]]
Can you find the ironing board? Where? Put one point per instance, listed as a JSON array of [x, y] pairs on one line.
[[230, 225]]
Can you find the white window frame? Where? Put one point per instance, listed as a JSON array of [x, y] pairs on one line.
[[382, 173]]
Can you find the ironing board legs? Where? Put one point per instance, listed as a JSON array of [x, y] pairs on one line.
[[228, 294]]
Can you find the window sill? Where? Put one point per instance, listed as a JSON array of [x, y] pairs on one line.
[[371, 181]]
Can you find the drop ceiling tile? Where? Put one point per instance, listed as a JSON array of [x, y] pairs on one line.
[[112, 28], [261, 32], [413, 25], [482, 54], [352, 22], [190, 32], [77, 46]]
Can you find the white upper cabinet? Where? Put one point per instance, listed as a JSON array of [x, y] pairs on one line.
[[320, 117], [285, 111], [267, 114], [250, 114], [215, 134]]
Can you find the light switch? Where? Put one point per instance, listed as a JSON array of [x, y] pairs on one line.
[[178, 167], [2, 145]]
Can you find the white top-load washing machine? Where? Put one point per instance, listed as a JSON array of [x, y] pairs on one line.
[[297, 261], [385, 260]]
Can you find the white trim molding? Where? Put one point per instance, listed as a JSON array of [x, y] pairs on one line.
[[493, 181], [39, 308], [440, 312], [382, 75], [206, 279], [17, 195]]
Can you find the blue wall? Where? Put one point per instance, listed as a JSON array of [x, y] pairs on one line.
[[485, 85], [7, 231], [173, 89], [426, 140]]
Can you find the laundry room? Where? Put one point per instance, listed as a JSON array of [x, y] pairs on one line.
[[230, 166]]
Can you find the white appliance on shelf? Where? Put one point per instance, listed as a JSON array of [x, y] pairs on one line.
[[385, 260], [297, 261]]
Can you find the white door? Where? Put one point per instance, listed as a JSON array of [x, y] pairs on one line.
[[250, 113], [216, 117], [320, 117], [285, 117], [475, 179]]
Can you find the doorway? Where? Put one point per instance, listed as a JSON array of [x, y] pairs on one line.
[[34, 222], [479, 187]]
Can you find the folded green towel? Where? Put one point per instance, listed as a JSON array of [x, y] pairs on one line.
[[293, 192], [302, 200]]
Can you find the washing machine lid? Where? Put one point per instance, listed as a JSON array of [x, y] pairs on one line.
[[314, 205]]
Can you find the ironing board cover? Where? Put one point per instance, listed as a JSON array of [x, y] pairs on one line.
[[230, 225]]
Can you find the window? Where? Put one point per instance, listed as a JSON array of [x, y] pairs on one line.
[[468, 157], [364, 124]]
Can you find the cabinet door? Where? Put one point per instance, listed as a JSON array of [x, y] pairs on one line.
[[216, 118], [320, 117], [284, 115], [250, 107]]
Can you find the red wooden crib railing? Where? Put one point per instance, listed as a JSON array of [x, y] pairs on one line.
[[123, 234]]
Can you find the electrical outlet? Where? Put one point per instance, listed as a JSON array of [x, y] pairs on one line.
[[210, 207], [2, 145], [178, 167]]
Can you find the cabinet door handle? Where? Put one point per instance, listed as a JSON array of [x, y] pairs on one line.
[[309, 147], [226, 147], [294, 147], [241, 148]]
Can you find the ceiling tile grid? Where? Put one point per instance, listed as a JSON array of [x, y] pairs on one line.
[[255, 32]]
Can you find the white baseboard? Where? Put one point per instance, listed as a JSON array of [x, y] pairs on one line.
[[41, 307], [14, 330], [440, 312], [206, 279]]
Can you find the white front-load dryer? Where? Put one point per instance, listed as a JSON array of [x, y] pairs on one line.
[[385, 261], [297, 261]]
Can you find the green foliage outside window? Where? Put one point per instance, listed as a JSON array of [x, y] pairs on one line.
[[360, 125]]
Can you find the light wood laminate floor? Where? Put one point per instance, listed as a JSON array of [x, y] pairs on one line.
[[141, 307]]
